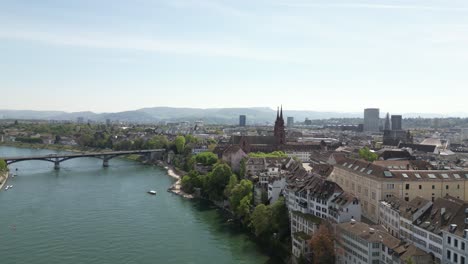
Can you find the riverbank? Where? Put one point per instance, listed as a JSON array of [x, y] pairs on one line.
[[3, 179], [173, 172]]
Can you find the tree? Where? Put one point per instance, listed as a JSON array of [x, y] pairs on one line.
[[189, 139], [322, 246], [243, 168], [3, 165], [206, 158], [238, 193], [274, 154], [217, 180], [232, 183], [243, 211], [368, 155], [261, 219], [180, 144], [158, 142], [280, 217]]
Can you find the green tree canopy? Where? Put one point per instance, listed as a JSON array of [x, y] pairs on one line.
[[217, 180], [232, 183], [243, 210], [367, 154], [3, 165], [261, 217], [239, 192], [206, 158], [180, 144], [157, 142], [280, 217], [190, 139], [274, 154]]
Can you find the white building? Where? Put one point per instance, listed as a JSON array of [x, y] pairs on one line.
[[360, 243], [310, 198], [275, 188]]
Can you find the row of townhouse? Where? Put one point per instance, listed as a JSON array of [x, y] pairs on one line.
[[439, 228], [372, 183], [360, 243], [310, 199]]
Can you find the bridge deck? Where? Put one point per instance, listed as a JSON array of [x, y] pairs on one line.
[[84, 154]]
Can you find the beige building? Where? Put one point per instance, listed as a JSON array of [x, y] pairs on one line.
[[372, 183]]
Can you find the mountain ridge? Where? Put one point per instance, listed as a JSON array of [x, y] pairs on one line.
[[255, 115]]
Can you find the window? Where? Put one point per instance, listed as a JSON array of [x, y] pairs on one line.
[[462, 245], [420, 187], [390, 186], [449, 255], [462, 260], [455, 257], [407, 186], [407, 199], [458, 186], [446, 187], [449, 240], [433, 187], [455, 242]]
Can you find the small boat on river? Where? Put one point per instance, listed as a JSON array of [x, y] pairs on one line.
[[152, 192]]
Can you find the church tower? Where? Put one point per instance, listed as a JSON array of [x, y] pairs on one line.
[[279, 132]]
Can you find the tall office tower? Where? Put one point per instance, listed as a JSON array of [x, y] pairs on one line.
[[387, 122], [396, 122], [242, 120], [371, 120], [290, 122]]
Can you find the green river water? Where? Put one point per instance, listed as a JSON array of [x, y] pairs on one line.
[[85, 213]]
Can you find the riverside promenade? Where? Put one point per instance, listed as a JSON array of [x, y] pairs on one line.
[[3, 179]]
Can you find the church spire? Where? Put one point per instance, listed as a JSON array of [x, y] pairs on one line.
[[277, 113], [281, 115]]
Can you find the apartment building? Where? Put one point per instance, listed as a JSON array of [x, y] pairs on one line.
[[372, 183], [360, 243]]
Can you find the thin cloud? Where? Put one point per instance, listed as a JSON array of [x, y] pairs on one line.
[[136, 43], [295, 4]]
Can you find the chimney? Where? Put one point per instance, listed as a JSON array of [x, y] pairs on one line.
[[453, 227]]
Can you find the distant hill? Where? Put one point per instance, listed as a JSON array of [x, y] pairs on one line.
[[255, 115]]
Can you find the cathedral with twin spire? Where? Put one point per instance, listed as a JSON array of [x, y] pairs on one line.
[[277, 142]]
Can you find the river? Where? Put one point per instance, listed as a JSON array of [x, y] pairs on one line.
[[85, 213]]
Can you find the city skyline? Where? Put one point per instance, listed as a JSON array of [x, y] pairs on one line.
[[112, 56]]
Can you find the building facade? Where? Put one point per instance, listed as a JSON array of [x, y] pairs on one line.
[[371, 120]]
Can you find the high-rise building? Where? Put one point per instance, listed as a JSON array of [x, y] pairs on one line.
[[108, 122], [371, 120], [242, 120], [80, 120], [387, 122], [396, 122], [290, 121]]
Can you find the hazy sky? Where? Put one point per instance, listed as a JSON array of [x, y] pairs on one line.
[[115, 55]]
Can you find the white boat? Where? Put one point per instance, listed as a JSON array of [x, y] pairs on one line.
[[7, 187], [152, 192]]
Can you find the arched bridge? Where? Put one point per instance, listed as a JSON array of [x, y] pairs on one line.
[[105, 156]]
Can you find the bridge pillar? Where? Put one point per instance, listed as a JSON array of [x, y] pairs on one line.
[[105, 163], [56, 165]]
